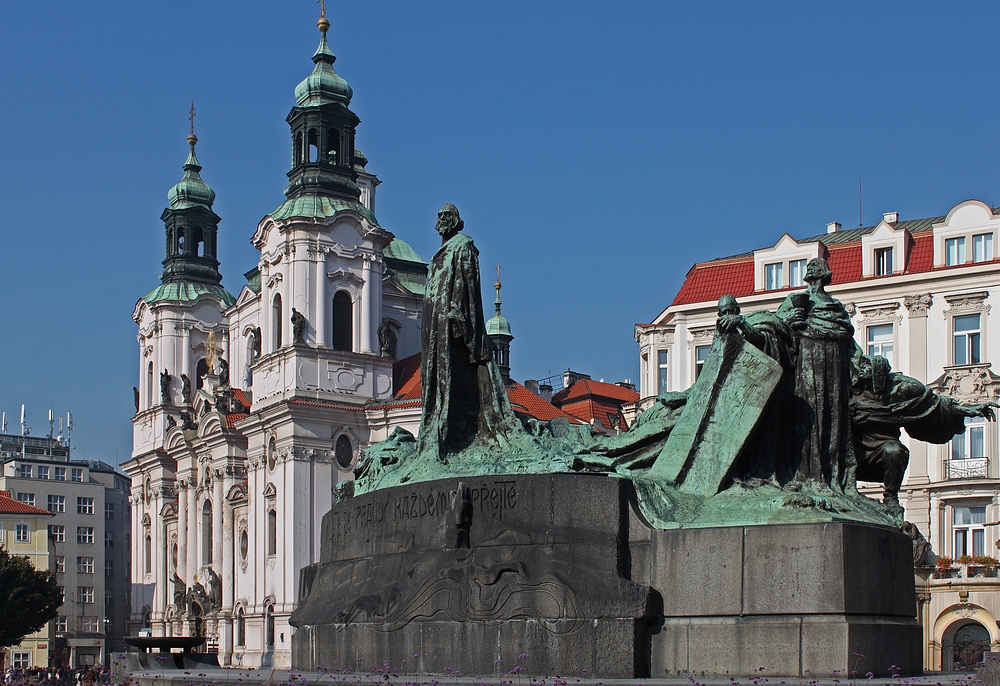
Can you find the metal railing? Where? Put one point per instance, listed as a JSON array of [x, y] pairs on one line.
[[970, 468]]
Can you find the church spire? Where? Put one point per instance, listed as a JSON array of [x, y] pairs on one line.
[[191, 225], [323, 127], [498, 331]]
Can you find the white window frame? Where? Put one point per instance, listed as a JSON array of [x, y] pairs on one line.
[[57, 532], [62, 624], [76, 475], [698, 364], [27, 498], [879, 347], [59, 473], [58, 502], [85, 535], [60, 564], [957, 256], [964, 535], [22, 533], [797, 273], [662, 370], [883, 261], [84, 564], [42, 472], [24, 471], [982, 247], [85, 595], [774, 278], [973, 340], [21, 659], [84, 505]]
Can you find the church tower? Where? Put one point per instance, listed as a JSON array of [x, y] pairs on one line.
[[498, 331]]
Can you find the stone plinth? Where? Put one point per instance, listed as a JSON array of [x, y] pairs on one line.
[[463, 573]]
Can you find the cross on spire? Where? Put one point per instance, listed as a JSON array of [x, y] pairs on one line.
[[322, 7], [191, 117]]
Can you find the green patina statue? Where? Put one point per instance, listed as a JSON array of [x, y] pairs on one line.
[[785, 416]]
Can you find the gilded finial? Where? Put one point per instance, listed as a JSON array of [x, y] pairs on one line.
[[323, 23], [192, 139]]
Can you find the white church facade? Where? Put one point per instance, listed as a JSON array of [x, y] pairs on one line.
[[251, 409]]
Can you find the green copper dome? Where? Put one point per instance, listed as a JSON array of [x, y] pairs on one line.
[[324, 85], [498, 326], [191, 190]]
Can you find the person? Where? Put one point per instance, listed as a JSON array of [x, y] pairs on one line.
[[821, 449], [883, 403], [464, 399]]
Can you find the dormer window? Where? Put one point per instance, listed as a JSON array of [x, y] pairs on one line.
[[982, 247], [883, 261], [954, 251], [773, 278], [797, 273]]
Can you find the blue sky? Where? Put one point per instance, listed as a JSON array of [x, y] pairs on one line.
[[596, 149]]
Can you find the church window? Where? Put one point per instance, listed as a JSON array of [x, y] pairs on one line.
[[297, 159], [344, 452], [272, 531], [333, 145], [343, 326], [241, 628], [277, 320], [198, 241], [149, 385], [206, 533], [269, 626], [180, 241], [244, 545], [201, 370], [313, 145]]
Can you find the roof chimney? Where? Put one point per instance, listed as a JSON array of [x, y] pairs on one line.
[[545, 390], [890, 217], [531, 385], [833, 227]]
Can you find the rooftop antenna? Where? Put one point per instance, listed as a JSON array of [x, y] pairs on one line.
[[52, 422], [861, 205], [69, 428], [23, 431], [3, 424], [59, 437]]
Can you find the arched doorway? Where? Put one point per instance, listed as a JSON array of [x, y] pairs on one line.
[[963, 646]]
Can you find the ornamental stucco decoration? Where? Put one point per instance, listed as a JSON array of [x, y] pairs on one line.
[[918, 304]]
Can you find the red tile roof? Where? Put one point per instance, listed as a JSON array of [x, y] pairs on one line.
[[407, 374], [921, 255], [234, 417], [241, 397], [586, 388], [587, 410], [531, 404], [10, 506], [711, 280]]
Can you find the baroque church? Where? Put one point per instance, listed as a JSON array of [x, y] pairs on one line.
[[251, 409]]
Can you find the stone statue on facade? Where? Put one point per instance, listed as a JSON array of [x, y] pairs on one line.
[[298, 327], [223, 372], [214, 589], [384, 339], [180, 591], [165, 387], [185, 389], [135, 397]]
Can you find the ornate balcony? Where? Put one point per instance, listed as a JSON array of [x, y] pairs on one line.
[[971, 468]]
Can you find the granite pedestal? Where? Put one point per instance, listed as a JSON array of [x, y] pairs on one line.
[[468, 574]]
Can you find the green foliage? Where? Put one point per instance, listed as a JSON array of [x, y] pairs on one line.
[[28, 598]]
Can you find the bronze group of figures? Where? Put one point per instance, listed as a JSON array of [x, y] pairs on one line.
[[787, 412]]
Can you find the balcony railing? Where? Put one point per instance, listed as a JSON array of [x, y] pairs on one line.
[[971, 468]]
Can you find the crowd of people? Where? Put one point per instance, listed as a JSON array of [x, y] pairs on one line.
[[64, 676]]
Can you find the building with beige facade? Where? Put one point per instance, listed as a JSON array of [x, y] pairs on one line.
[[920, 293], [23, 531]]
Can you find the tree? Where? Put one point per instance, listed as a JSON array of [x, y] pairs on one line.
[[28, 598]]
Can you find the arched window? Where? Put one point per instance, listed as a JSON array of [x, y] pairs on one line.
[[149, 385], [241, 628], [344, 452], [343, 325], [313, 145], [200, 371], [198, 241], [297, 154], [206, 533], [269, 626], [277, 320], [333, 146], [272, 531], [148, 553], [180, 241], [390, 343]]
